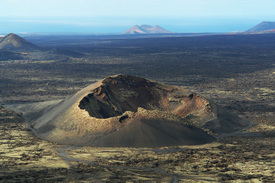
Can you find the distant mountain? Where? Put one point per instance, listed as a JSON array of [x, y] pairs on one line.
[[15, 42], [263, 27], [146, 29]]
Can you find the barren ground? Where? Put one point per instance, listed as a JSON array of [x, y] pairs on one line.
[[247, 156]]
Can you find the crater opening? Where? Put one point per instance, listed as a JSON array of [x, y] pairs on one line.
[[122, 93], [119, 94]]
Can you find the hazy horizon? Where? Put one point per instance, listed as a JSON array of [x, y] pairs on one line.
[[113, 16]]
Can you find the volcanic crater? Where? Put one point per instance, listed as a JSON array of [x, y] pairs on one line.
[[128, 111]]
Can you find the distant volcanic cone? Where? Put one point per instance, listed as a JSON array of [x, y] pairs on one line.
[[127, 111], [263, 27], [15, 42], [146, 29]]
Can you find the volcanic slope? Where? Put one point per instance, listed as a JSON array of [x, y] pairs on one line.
[[263, 26], [15, 42], [146, 29], [127, 111]]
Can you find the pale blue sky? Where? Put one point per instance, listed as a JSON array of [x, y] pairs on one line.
[[114, 16]]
